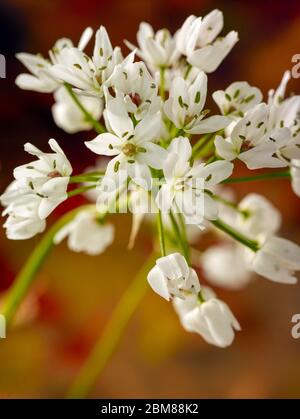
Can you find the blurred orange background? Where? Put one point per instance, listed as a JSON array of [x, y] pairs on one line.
[[74, 294]]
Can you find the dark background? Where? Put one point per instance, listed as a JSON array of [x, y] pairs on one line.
[[74, 294]]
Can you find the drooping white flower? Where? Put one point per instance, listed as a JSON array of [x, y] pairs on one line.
[[225, 265], [132, 146], [67, 114], [277, 260], [134, 84], [156, 49], [85, 73], [171, 276], [237, 99], [185, 185], [86, 234], [41, 78], [198, 40], [253, 143], [185, 107], [209, 317]]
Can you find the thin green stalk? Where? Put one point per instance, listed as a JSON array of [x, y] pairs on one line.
[[80, 190], [161, 235], [202, 145], [253, 245], [96, 125], [112, 333], [187, 72], [228, 203], [179, 238], [25, 278], [266, 176]]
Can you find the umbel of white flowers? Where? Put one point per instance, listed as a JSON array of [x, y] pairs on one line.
[[155, 134]]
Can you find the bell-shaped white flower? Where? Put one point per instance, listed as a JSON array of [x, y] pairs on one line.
[[185, 107], [67, 114], [185, 186], [237, 99], [172, 277], [132, 146], [41, 78], [198, 40], [156, 49], [277, 260], [208, 316], [135, 85], [86, 234]]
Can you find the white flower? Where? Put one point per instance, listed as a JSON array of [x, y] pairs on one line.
[[86, 234], [156, 49], [171, 276], [197, 39], [47, 177], [277, 260], [211, 318], [253, 143], [67, 114], [295, 175], [85, 73], [218, 262], [185, 185], [237, 99], [42, 79], [132, 146], [134, 84], [185, 107]]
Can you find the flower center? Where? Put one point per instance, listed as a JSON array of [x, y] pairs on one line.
[[129, 150], [54, 174], [136, 98]]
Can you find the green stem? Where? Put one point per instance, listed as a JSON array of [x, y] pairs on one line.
[[266, 176], [187, 72], [99, 128], [161, 235], [202, 146], [179, 238], [112, 333], [80, 190], [253, 245], [228, 203], [25, 278]]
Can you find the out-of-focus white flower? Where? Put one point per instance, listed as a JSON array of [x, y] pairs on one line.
[[156, 49], [277, 260], [295, 175], [85, 73], [237, 99], [225, 266], [185, 185], [185, 107], [254, 144], [67, 114], [41, 78], [171, 276], [198, 40], [86, 234], [132, 146], [135, 85], [209, 317]]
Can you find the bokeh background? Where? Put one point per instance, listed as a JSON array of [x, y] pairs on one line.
[[74, 294]]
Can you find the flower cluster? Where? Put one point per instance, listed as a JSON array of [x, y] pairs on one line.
[[163, 148]]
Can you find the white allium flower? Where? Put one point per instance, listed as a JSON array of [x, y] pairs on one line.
[[185, 107], [85, 73], [172, 277], [185, 185], [254, 144], [132, 146], [156, 49], [41, 78], [135, 85], [198, 40], [211, 318], [67, 114], [86, 234], [277, 260], [225, 266], [237, 99], [295, 175]]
